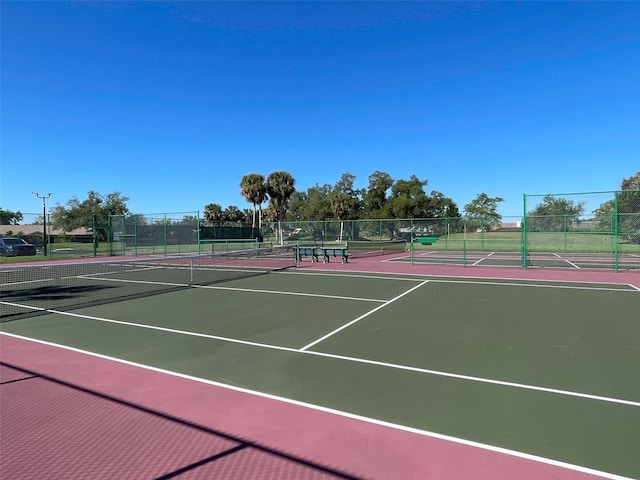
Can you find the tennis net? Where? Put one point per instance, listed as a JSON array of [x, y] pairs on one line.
[[364, 248], [30, 290]]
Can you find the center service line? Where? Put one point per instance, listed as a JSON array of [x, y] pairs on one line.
[[361, 317]]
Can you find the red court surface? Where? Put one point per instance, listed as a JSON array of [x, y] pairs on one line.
[[66, 414]]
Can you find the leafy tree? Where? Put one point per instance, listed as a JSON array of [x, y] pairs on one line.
[[8, 217], [92, 213], [631, 183], [188, 220], [254, 190], [375, 197], [628, 210], [451, 211], [213, 213], [318, 203], [345, 201], [482, 211], [280, 187], [298, 206], [408, 199], [554, 214], [440, 206]]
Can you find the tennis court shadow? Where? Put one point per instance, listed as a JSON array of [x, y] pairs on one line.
[[55, 292], [262, 457]]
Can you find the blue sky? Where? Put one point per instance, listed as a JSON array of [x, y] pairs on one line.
[[172, 103]]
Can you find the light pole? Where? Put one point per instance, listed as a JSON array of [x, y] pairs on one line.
[[44, 220]]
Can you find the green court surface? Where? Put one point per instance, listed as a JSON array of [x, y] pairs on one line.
[[541, 368]]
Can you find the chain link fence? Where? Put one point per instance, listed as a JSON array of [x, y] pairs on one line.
[[600, 229], [597, 228]]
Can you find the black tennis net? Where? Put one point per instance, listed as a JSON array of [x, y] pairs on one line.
[[368, 248], [30, 290]]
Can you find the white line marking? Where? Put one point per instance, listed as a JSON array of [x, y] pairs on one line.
[[280, 292], [572, 264], [391, 276], [355, 359], [579, 285], [382, 423], [361, 317]]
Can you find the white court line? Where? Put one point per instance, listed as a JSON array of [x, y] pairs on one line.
[[453, 279], [281, 292], [373, 421], [572, 264], [439, 373], [361, 317]]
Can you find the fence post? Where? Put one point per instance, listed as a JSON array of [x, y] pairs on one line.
[[524, 231], [615, 232]]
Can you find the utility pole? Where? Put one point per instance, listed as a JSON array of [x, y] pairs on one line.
[[44, 220]]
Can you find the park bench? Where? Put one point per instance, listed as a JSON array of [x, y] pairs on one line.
[[306, 252], [342, 252]]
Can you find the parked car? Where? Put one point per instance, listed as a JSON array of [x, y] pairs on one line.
[[13, 247]]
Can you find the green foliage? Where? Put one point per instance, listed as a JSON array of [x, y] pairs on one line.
[[554, 214], [408, 198], [311, 205], [92, 213], [375, 197], [8, 217], [232, 214], [280, 187], [482, 211], [254, 190], [213, 213]]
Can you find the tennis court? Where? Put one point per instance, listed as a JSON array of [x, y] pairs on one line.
[[572, 260], [373, 369]]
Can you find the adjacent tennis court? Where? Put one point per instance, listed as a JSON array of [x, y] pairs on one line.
[[535, 369], [572, 260]]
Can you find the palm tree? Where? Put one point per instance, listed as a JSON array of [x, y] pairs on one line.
[[254, 190], [213, 213], [341, 205], [280, 187]]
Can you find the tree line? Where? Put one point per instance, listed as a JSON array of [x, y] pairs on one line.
[[383, 198]]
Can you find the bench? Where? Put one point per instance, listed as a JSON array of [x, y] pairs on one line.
[[425, 240], [306, 252], [342, 252]]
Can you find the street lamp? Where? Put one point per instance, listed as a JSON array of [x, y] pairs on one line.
[[44, 219]]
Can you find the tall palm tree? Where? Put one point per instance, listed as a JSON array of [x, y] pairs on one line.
[[254, 190], [280, 187]]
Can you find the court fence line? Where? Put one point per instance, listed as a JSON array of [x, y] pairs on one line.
[[603, 224]]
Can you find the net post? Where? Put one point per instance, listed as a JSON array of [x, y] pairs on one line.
[[191, 272]]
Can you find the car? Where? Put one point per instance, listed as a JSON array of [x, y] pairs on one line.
[[13, 247]]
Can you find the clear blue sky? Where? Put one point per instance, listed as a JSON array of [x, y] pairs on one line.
[[172, 103]]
